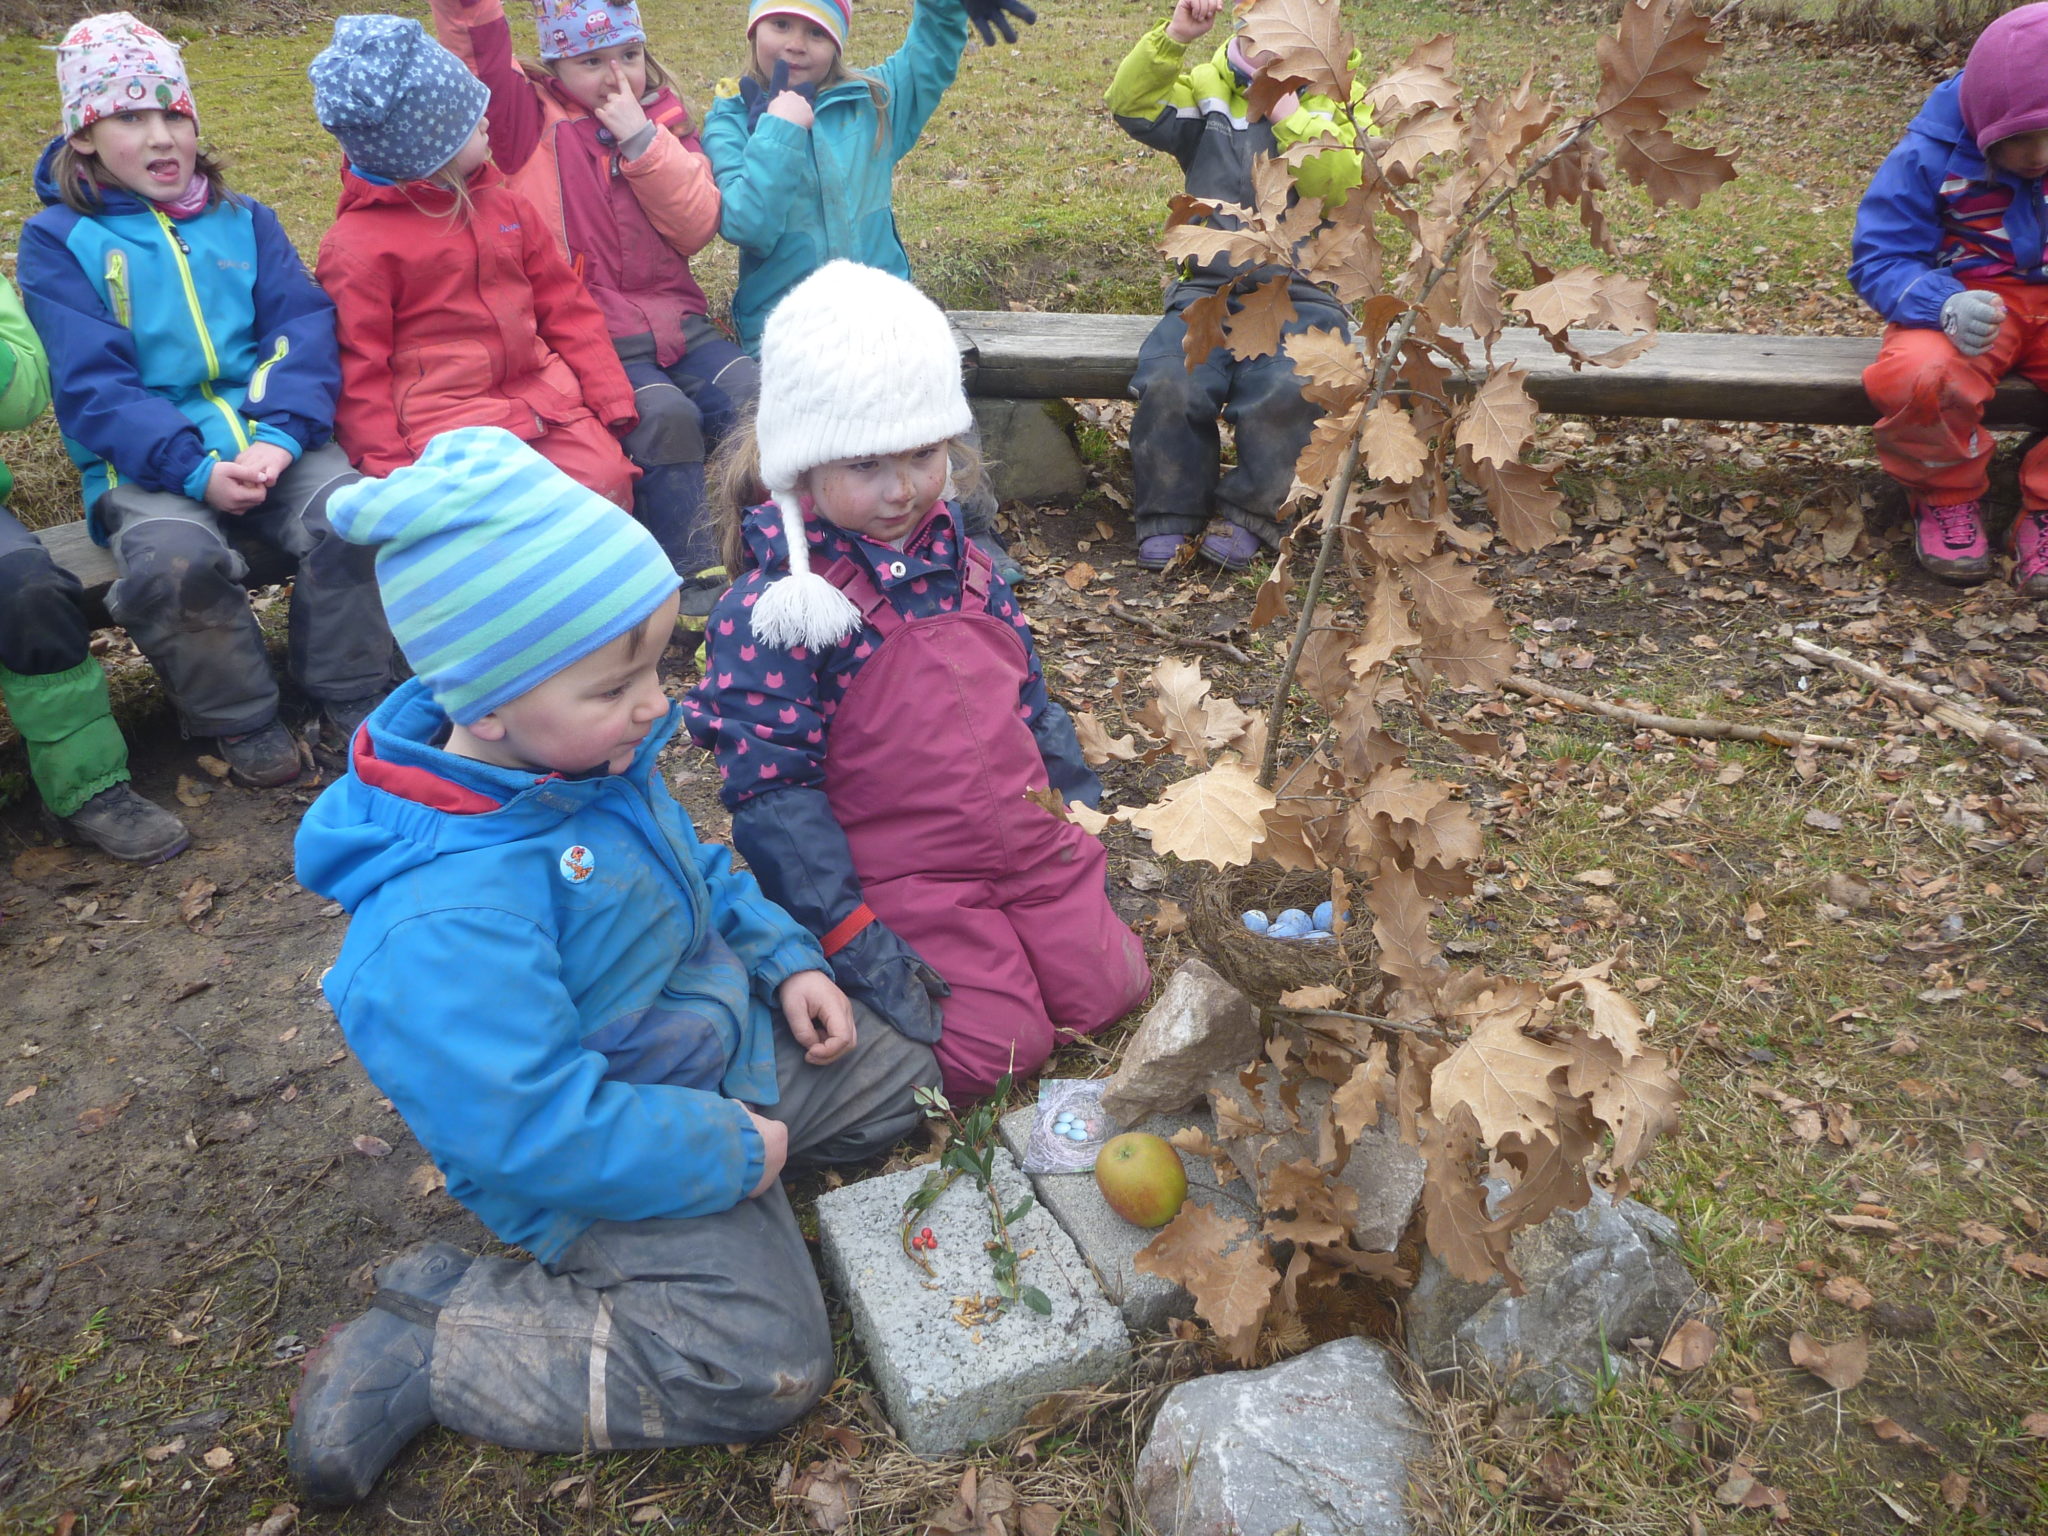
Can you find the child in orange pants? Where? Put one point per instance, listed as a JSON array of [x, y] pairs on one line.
[[1949, 249]]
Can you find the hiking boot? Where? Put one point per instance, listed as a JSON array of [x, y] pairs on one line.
[[1157, 552], [2029, 541], [1951, 542], [335, 729], [366, 1392], [1232, 547], [262, 758], [695, 599], [119, 822], [1014, 575]]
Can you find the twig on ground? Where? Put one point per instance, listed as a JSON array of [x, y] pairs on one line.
[[1177, 637], [1428, 1032], [1710, 730], [1979, 728]]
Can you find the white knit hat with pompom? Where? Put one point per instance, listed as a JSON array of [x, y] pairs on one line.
[[853, 362]]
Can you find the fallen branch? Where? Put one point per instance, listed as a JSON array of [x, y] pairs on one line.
[[1400, 1026], [1177, 637], [1708, 730], [1979, 728]]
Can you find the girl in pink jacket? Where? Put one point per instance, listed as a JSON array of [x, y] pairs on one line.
[[595, 137]]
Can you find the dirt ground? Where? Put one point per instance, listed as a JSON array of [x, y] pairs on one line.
[[196, 1177]]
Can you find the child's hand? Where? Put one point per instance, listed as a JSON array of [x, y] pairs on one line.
[[267, 459], [792, 108], [1971, 319], [819, 1016], [988, 18], [619, 109], [759, 102], [1192, 18], [774, 1151], [235, 488]]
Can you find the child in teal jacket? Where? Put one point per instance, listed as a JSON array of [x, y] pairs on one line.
[[56, 693], [805, 155]]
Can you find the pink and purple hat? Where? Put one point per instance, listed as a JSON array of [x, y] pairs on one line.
[[835, 16], [571, 28], [113, 63]]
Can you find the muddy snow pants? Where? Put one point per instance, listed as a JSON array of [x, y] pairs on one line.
[[689, 1332], [180, 597], [1176, 446], [55, 691], [1931, 400], [685, 411]]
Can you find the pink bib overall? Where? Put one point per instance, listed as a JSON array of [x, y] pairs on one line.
[[926, 766]]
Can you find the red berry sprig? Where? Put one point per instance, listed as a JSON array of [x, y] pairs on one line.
[[924, 1239]]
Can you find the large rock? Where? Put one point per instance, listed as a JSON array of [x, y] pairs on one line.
[[948, 1376], [1031, 456], [1384, 1171], [1595, 1279], [1200, 1026], [1315, 1446]]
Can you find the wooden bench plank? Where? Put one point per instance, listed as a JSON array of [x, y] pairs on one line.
[[1695, 375]]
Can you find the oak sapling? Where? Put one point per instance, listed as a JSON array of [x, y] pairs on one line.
[[1487, 1076]]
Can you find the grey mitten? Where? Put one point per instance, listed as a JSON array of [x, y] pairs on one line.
[[1971, 319]]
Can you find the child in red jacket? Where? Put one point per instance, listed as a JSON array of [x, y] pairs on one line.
[[453, 306], [595, 136]]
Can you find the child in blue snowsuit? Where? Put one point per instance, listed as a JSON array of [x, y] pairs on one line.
[[605, 1036], [194, 371]]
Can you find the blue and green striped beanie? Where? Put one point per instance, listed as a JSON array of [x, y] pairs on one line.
[[497, 570]]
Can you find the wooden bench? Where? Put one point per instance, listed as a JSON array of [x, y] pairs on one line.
[[1695, 375], [1816, 380]]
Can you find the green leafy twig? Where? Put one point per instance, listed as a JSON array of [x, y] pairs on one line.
[[971, 1150]]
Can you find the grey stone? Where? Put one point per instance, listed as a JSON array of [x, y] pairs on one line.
[[1594, 1278], [1109, 1244], [1200, 1026], [1315, 1446], [947, 1384], [1382, 1169], [1031, 457]]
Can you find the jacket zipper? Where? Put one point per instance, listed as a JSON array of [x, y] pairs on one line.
[[261, 380], [179, 251], [117, 286]]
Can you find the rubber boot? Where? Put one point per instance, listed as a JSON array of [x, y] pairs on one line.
[[367, 1389]]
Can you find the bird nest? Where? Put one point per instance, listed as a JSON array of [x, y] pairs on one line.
[[1264, 968]]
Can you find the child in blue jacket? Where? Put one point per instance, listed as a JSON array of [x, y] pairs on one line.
[[606, 1037], [1951, 249], [194, 371]]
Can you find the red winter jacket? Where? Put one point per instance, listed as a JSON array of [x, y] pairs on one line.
[[628, 227], [445, 323]]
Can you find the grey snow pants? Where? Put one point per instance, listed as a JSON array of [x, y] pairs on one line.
[[180, 597], [675, 1332]]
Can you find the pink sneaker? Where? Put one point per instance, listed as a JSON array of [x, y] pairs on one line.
[[2030, 553], [1951, 542]]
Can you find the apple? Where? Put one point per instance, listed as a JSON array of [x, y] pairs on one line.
[[1140, 1176]]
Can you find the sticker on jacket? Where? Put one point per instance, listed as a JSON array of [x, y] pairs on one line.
[[578, 864]]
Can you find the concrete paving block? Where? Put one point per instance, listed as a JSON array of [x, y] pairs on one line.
[[1107, 1242], [947, 1384]]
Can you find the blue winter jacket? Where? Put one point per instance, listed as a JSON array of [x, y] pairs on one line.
[[529, 965], [795, 199], [173, 341], [1937, 219]]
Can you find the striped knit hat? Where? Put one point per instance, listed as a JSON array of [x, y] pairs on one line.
[[497, 570], [835, 16]]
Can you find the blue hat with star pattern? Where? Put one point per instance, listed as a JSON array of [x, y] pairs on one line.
[[401, 104]]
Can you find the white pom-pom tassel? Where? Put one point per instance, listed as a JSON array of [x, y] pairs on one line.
[[802, 608]]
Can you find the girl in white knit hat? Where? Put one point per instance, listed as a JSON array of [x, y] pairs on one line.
[[877, 711]]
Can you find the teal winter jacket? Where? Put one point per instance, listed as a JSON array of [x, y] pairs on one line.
[[795, 199], [561, 989]]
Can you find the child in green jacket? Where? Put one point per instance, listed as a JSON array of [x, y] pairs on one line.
[[55, 692]]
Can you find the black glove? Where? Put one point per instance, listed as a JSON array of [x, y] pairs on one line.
[[1066, 770], [798, 853], [988, 18], [757, 100]]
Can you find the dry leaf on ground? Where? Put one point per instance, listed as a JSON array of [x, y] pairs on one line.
[[1691, 1347], [1841, 1366]]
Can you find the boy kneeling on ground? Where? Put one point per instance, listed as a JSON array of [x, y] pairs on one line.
[[572, 1003]]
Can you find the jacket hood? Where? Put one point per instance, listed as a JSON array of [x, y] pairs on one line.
[[113, 200], [1941, 115], [431, 197], [406, 801]]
